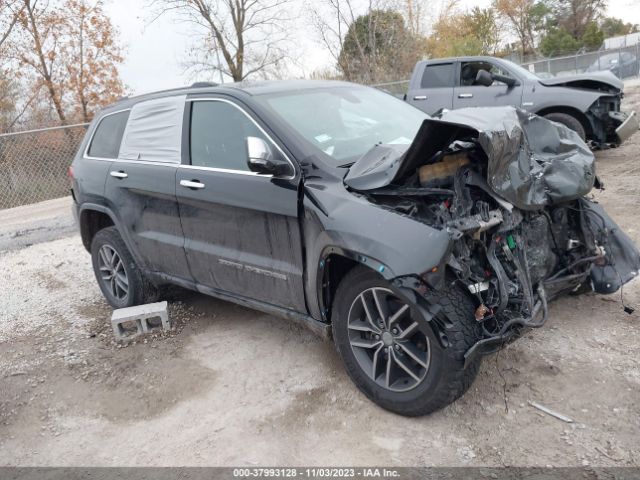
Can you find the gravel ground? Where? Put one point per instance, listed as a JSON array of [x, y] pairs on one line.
[[231, 386], [25, 226]]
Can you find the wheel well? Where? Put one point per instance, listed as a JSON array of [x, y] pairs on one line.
[[574, 112], [336, 267], [91, 222]]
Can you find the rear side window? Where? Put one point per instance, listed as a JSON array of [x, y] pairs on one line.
[[437, 76], [108, 136], [154, 131], [219, 134]]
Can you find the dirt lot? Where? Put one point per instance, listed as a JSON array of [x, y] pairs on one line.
[[235, 387]]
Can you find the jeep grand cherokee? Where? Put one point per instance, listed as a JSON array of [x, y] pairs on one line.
[[417, 243]]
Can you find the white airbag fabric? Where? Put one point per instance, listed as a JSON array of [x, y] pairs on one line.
[[154, 131]]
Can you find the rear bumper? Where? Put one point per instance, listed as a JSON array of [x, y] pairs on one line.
[[627, 125]]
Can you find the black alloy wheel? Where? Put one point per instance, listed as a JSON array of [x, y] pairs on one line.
[[389, 345]]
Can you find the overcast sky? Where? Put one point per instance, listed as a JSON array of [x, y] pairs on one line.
[[155, 49]]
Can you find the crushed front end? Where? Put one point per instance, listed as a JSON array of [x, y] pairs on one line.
[[611, 125], [510, 190]]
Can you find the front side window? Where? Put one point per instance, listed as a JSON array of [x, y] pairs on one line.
[[469, 71], [108, 136], [219, 134], [438, 76]]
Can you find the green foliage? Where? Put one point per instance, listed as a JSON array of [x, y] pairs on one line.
[[572, 26], [557, 42], [524, 19], [482, 29], [473, 33], [593, 37], [541, 15], [575, 16], [613, 27]]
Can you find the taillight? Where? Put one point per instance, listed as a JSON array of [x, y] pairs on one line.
[[70, 173]]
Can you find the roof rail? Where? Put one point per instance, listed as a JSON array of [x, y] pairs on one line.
[[204, 84]]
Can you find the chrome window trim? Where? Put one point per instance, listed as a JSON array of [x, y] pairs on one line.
[[232, 171], [86, 150], [226, 170], [140, 162]]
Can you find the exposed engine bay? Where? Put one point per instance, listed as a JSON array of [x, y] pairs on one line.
[[510, 190]]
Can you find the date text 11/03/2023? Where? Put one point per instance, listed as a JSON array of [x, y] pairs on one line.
[[370, 472]]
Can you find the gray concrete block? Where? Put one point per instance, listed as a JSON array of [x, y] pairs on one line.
[[130, 322]]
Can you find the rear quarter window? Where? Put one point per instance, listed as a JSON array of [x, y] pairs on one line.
[[437, 76], [107, 138]]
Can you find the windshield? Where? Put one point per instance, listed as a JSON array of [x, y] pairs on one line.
[[608, 59], [521, 70], [344, 122]]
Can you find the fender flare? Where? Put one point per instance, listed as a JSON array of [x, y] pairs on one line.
[[354, 256], [116, 222]]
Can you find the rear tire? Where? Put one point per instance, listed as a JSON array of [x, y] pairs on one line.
[[119, 278], [439, 376], [568, 121]]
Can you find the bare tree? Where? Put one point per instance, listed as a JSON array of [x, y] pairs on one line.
[[38, 49], [91, 54], [249, 35], [68, 50], [521, 16], [576, 15], [9, 12], [332, 20], [414, 12]]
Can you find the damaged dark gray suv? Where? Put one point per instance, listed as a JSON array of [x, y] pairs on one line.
[[418, 243]]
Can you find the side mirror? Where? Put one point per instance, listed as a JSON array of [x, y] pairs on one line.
[[484, 78], [261, 159], [510, 82]]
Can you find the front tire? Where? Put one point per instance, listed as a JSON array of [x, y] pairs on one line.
[[392, 353], [568, 121], [119, 278]]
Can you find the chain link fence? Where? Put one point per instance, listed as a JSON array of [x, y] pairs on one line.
[[622, 62], [34, 164]]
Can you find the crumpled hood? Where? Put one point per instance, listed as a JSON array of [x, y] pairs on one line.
[[582, 80], [531, 162]]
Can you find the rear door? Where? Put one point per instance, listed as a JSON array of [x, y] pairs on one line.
[[141, 189], [241, 229], [433, 89], [468, 94]]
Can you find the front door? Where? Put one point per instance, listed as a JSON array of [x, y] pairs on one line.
[[468, 94], [241, 229]]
